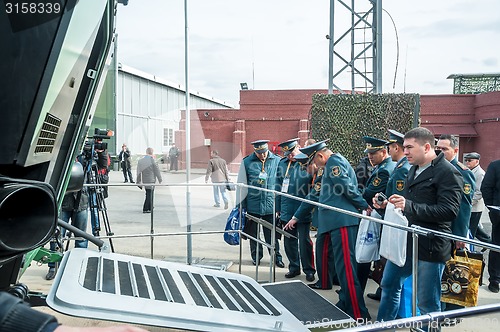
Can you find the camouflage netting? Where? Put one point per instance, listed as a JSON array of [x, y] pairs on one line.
[[345, 119]]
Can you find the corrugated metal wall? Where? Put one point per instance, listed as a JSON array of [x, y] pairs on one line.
[[147, 110]]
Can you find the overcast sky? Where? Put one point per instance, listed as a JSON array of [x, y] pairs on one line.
[[281, 44]]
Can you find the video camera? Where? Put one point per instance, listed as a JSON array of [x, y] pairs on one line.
[[95, 142]]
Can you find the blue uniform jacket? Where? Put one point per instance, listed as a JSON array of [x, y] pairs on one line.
[[397, 180], [256, 201], [377, 182], [460, 225], [299, 186], [339, 188], [305, 209]]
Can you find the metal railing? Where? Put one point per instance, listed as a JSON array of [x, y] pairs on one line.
[[432, 319]]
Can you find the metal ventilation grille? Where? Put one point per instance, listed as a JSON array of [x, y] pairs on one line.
[[162, 284], [48, 134]]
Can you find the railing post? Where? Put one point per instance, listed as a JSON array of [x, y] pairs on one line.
[[272, 271], [152, 230], [414, 281]]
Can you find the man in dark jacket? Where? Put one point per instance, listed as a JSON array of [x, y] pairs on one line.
[[431, 199], [124, 157], [491, 195], [258, 169]]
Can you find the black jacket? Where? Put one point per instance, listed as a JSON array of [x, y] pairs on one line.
[[490, 187], [433, 201]]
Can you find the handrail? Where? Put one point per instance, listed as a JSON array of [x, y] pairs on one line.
[[434, 318]]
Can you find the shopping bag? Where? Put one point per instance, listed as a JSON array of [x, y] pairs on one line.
[[235, 222], [460, 280], [367, 241], [393, 240]]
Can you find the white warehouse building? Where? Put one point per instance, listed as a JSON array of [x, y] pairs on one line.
[[147, 112]]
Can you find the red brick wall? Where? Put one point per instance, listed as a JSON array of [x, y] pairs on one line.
[[278, 115]]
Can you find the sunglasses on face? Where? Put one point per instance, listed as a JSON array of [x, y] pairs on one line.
[[468, 160]]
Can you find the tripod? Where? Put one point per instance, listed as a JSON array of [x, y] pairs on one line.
[[97, 203]]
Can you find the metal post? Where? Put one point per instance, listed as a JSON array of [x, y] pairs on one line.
[[188, 137], [414, 281], [152, 231], [272, 270], [330, 49], [377, 79]]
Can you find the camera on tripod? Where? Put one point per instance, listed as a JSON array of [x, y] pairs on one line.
[[96, 162], [95, 142]]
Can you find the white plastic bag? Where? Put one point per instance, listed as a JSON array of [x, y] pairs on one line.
[[393, 241], [368, 239]]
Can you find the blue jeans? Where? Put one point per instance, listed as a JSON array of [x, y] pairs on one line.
[[428, 288], [222, 189], [79, 220]]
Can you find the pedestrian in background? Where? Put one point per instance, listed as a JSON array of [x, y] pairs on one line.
[[471, 160], [124, 157], [147, 173], [173, 154], [218, 173]]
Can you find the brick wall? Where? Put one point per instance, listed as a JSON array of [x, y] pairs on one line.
[[278, 115]]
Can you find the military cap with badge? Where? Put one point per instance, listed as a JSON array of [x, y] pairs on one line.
[[395, 137], [374, 144], [288, 146], [260, 146], [311, 150]]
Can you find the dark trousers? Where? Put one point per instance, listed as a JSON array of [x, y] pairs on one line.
[[148, 201], [474, 222], [252, 231], [173, 164], [300, 250], [494, 257], [127, 172]]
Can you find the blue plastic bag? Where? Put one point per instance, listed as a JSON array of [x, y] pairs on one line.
[[233, 224]]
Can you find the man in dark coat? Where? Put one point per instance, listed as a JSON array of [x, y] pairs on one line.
[[431, 199], [124, 158], [491, 195]]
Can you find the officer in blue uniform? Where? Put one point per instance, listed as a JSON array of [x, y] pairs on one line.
[[339, 189], [376, 150], [324, 253], [448, 145], [383, 167], [294, 180], [395, 185], [259, 170]]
